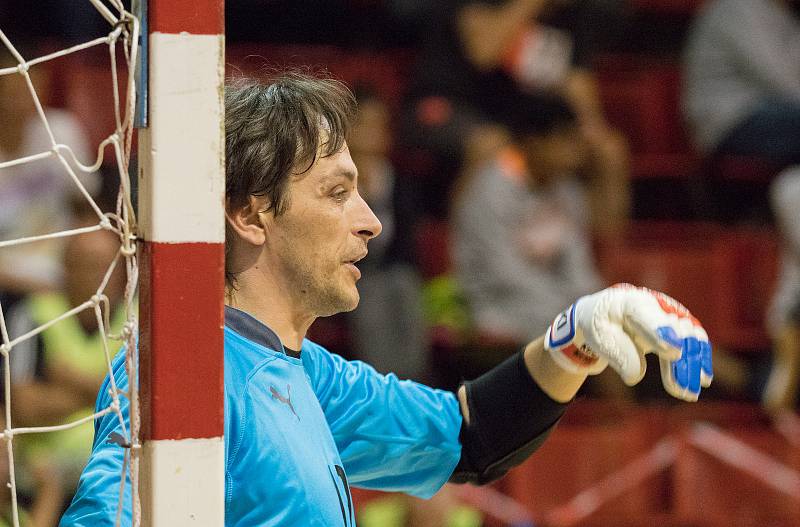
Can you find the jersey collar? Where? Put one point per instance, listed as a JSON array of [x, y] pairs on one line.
[[252, 329]]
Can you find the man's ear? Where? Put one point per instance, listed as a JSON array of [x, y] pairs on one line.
[[249, 221]]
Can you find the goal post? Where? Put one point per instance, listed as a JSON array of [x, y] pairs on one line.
[[182, 234]]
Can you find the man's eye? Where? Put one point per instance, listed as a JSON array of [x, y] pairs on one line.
[[339, 195]]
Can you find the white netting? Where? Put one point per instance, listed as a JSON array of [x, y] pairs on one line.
[[121, 41]]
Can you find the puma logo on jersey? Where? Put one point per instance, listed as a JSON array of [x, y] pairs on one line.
[[285, 400]]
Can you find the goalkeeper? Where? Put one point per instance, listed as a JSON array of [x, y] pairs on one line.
[[302, 424]]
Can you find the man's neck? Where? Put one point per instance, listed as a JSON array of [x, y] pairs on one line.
[[268, 304]]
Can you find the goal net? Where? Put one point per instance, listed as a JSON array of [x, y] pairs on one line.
[[175, 437], [60, 157]]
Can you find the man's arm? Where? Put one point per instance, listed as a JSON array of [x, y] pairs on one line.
[[405, 437], [97, 501], [560, 385], [509, 411], [392, 435]]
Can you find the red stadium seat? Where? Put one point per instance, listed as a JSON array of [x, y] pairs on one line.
[[744, 273], [641, 98], [710, 492], [583, 450], [701, 484], [433, 248]]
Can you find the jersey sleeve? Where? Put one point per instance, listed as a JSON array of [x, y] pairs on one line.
[[97, 500], [392, 435]]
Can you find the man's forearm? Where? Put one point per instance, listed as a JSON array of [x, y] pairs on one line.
[[559, 384], [556, 382], [507, 416]]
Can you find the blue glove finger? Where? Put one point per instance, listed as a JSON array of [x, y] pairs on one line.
[[668, 335], [705, 359], [680, 370], [695, 365], [686, 370]]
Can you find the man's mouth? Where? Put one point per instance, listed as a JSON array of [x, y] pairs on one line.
[[351, 264], [358, 258]]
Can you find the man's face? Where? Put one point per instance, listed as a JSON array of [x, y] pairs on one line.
[[323, 232]]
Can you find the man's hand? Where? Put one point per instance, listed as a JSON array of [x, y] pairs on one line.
[[620, 325]]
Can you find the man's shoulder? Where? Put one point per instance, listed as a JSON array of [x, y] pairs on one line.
[[321, 364], [313, 348], [315, 356], [120, 373], [242, 354]]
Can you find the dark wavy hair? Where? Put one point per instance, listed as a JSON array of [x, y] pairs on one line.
[[277, 129]]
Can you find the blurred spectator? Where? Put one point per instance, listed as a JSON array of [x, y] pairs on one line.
[[784, 315], [56, 375], [742, 79], [520, 228], [388, 328], [742, 99], [34, 196], [479, 59], [521, 239]]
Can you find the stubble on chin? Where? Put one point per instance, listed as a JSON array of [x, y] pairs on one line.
[[337, 298], [325, 294]]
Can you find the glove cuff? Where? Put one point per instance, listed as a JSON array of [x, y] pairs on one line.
[[566, 345]]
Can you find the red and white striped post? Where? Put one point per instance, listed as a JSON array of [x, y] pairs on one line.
[[182, 185]]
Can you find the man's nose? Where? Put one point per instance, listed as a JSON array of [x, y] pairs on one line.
[[367, 225]]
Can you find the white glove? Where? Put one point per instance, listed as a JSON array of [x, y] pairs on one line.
[[619, 325]]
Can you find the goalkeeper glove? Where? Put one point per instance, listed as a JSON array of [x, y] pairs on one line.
[[619, 325]]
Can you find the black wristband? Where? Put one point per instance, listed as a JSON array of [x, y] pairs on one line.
[[510, 417]]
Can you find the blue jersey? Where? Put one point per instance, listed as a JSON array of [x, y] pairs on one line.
[[298, 432]]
